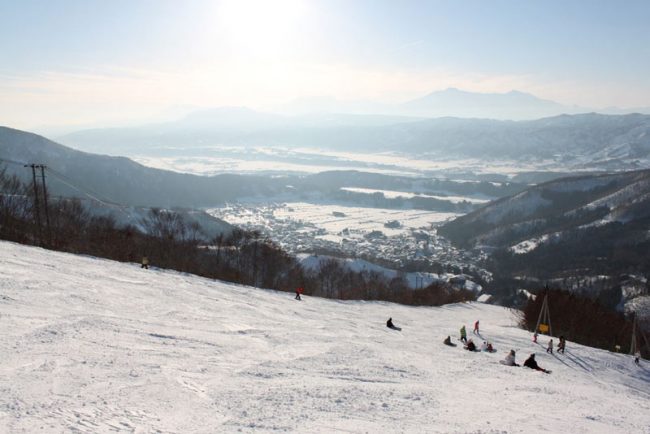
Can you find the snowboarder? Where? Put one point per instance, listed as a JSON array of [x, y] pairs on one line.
[[561, 345], [532, 364], [145, 263], [463, 334], [470, 346], [476, 332], [390, 325], [549, 348], [298, 292], [510, 359]]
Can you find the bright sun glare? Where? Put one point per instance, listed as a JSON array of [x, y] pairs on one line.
[[260, 27]]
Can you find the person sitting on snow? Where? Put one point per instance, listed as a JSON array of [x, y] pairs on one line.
[[470, 346], [532, 364], [510, 359], [484, 346], [390, 325], [447, 340]]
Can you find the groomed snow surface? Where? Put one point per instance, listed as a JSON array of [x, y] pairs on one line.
[[92, 346]]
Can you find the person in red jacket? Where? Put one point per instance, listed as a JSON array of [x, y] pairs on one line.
[[476, 332], [298, 292]]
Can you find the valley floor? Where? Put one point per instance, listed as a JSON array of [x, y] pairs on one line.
[[91, 345]]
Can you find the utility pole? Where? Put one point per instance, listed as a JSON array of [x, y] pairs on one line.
[[37, 212], [633, 346], [47, 212]]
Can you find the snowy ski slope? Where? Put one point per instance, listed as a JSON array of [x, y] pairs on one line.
[[93, 346]]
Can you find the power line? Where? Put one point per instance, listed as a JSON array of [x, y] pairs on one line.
[[92, 195], [70, 183], [18, 163]]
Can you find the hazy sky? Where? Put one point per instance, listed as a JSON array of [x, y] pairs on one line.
[[91, 62]]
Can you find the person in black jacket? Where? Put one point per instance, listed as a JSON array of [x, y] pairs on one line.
[[390, 325], [532, 364]]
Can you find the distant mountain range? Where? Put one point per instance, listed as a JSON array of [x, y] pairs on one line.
[[585, 141], [451, 102], [123, 181], [512, 105]]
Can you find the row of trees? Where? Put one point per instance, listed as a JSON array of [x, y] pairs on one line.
[[583, 320], [170, 242]]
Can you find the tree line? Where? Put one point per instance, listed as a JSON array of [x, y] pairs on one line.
[[583, 320], [169, 241]]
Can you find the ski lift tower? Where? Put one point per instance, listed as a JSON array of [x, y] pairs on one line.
[[544, 320]]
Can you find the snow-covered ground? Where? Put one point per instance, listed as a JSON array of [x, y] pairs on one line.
[[391, 194], [93, 346], [212, 160], [331, 219]]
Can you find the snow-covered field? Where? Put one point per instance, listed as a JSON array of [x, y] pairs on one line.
[[216, 159], [329, 219], [97, 346], [390, 194]]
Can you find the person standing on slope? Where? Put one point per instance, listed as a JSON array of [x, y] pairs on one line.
[[476, 332], [532, 364], [145, 263], [463, 334], [549, 349], [298, 292], [561, 345]]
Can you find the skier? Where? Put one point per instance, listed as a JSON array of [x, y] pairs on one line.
[[470, 346], [298, 292], [532, 364], [476, 332], [549, 348], [145, 263], [561, 345], [510, 359], [463, 334]]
